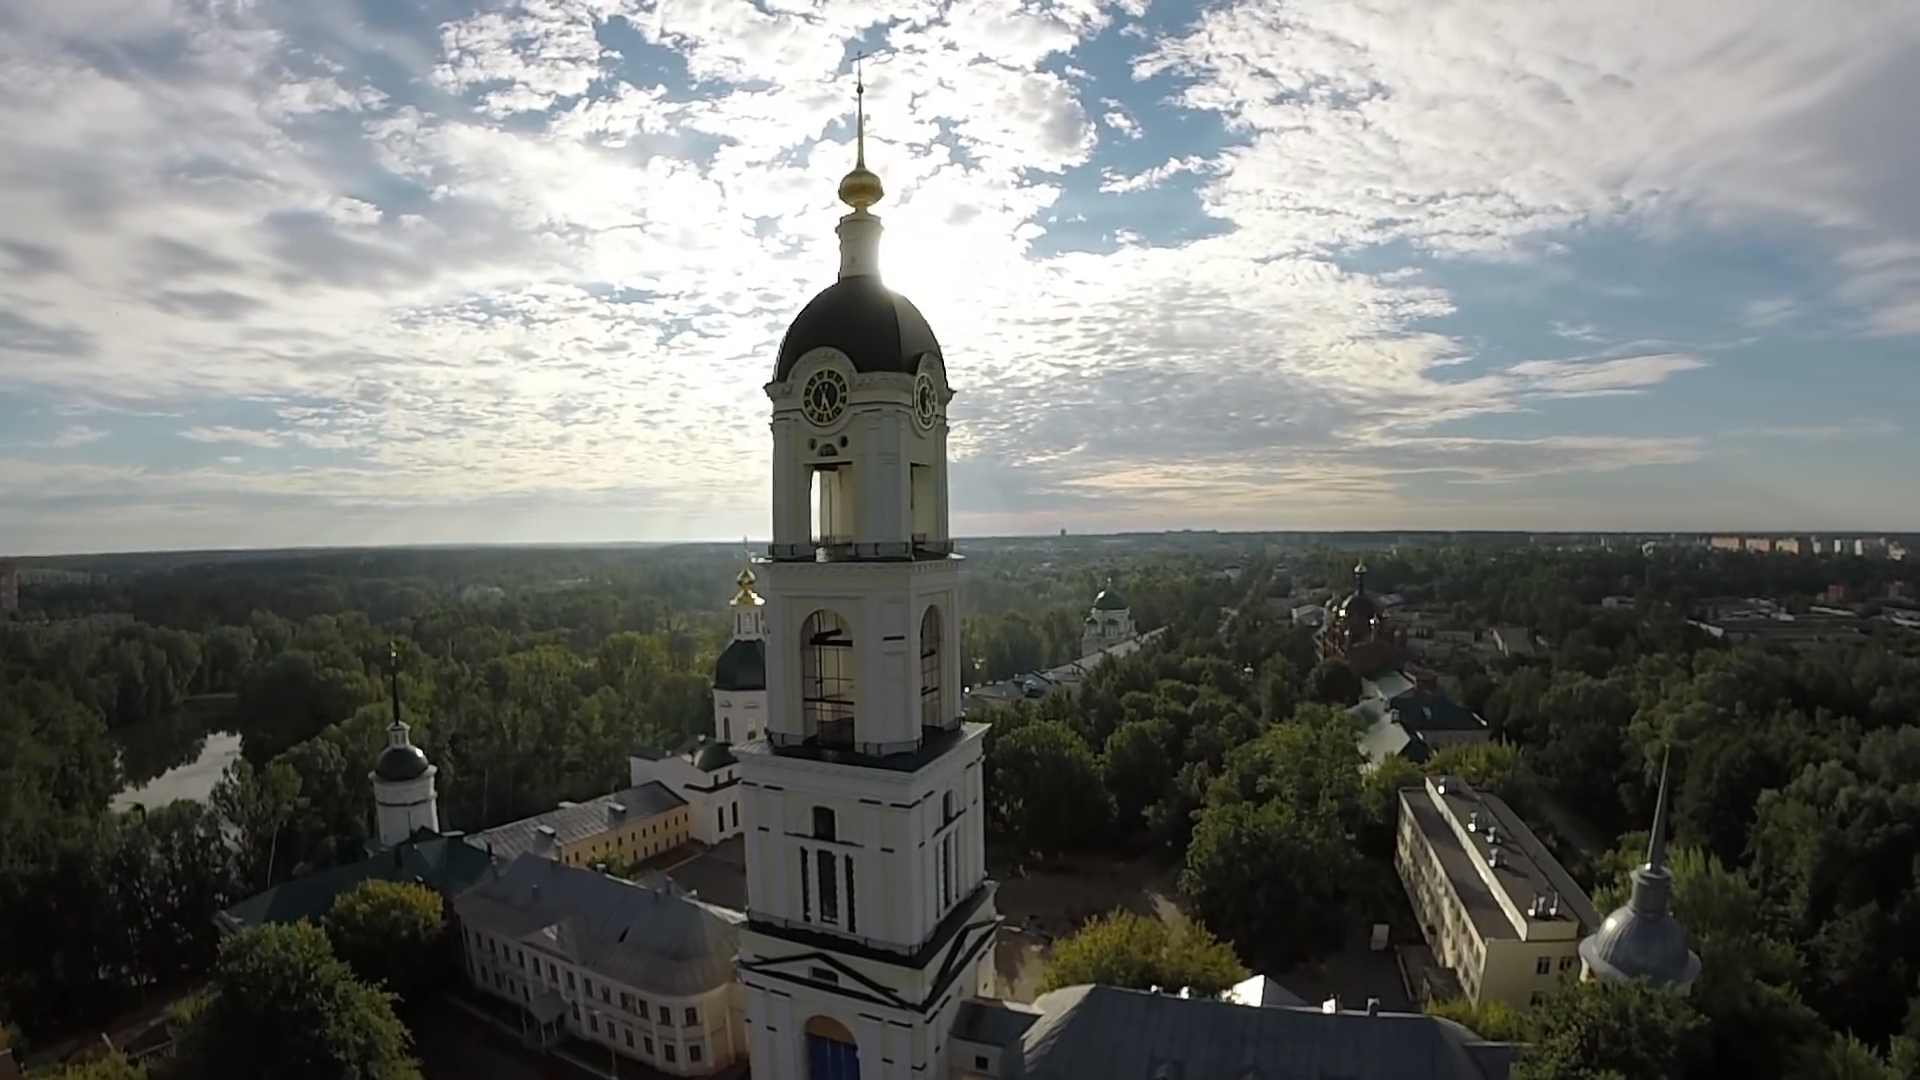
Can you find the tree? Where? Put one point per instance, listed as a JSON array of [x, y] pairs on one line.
[[1333, 682], [1598, 1030], [1048, 789], [1270, 878], [1138, 768], [1142, 953], [282, 1005], [1491, 1020], [258, 802], [111, 1067], [392, 934]]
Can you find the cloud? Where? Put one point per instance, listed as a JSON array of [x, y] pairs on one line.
[[544, 251], [231, 435]]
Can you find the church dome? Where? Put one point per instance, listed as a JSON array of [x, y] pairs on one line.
[[1110, 600], [399, 763], [1639, 944], [743, 666], [713, 756], [879, 330]]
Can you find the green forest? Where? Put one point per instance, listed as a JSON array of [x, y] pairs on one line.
[[526, 675], [1225, 745], [1796, 802]]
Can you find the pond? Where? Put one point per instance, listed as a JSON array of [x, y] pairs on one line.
[[179, 756]]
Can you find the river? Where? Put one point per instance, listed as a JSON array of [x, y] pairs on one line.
[[177, 757]]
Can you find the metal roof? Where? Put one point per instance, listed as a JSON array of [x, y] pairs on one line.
[[650, 937], [581, 821], [1117, 1034]]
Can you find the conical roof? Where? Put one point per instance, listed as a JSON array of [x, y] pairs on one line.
[[1642, 939]]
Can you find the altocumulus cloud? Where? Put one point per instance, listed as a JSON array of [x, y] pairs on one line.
[[438, 265]]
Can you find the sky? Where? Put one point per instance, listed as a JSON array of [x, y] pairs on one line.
[[320, 272]]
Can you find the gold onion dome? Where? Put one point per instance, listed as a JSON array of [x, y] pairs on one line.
[[861, 188], [746, 597]]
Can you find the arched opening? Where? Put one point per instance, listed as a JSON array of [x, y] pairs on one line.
[[831, 1052], [932, 663], [824, 824], [826, 679]]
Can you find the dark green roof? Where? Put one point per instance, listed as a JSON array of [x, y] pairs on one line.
[[444, 863], [743, 666], [1422, 710], [712, 756], [401, 763], [1110, 600]]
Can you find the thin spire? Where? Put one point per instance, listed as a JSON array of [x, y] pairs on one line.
[[1653, 883], [860, 111], [393, 679], [1657, 841], [860, 188]]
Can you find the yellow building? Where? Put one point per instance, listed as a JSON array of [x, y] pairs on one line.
[[1497, 909], [624, 827]]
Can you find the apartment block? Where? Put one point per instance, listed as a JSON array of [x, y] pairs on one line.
[[1496, 908]]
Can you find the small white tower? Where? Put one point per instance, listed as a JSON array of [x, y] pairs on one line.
[[740, 675], [1109, 622], [403, 796], [870, 917]]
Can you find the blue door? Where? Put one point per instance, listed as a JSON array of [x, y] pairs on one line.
[[830, 1059]]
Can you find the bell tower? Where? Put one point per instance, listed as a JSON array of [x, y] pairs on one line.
[[870, 916]]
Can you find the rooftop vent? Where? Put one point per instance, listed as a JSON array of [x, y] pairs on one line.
[[1373, 1006], [1493, 835], [1494, 860], [547, 831], [617, 808], [1473, 821]]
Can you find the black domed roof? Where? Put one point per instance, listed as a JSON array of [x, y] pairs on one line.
[[712, 756], [742, 666], [879, 330], [407, 762]]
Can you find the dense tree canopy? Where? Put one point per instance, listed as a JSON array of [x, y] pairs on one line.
[[282, 1005], [1142, 953], [393, 935]]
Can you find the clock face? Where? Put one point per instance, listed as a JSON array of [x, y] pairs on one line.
[[825, 397], [926, 402]]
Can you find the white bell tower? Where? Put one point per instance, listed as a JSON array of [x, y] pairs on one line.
[[870, 916]]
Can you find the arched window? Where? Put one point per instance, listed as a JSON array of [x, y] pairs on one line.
[[824, 825], [932, 701], [826, 678]]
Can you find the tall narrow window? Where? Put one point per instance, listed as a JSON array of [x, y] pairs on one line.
[[829, 887], [825, 824], [736, 815], [720, 817], [832, 506], [726, 729], [826, 678], [946, 876], [925, 507], [932, 701], [852, 926], [806, 889]]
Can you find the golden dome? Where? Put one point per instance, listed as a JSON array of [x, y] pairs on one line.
[[746, 597], [861, 188]]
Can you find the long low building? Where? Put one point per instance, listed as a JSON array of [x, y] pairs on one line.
[[628, 826], [1496, 907]]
